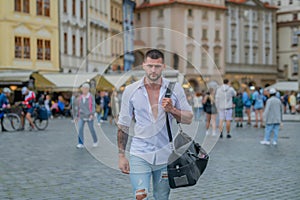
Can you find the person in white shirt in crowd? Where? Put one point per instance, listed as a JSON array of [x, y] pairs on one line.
[[224, 96], [198, 106], [272, 117]]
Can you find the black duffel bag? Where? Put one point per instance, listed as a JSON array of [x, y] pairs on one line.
[[188, 159]]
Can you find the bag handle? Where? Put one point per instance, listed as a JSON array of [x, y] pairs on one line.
[[168, 95]]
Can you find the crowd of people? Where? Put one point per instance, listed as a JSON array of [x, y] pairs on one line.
[[223, 103]]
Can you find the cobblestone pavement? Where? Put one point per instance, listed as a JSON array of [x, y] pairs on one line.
[[46, 165]]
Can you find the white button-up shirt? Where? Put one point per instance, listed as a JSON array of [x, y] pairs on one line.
[[150, 138]]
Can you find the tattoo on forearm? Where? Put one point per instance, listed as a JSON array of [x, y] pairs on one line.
[[122, 139]]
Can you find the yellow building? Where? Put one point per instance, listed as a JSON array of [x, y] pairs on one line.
[[29, 35]]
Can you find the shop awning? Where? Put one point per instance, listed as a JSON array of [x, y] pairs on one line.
[[14, 77], [118, 80], [285, 86], [68, 82], [41, 82]]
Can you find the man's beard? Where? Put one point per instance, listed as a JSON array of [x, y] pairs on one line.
[[153, 79]]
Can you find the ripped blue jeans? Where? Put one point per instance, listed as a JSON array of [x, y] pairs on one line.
[[140, 176]]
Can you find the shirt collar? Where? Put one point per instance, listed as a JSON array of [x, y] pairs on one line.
[[165, 82]]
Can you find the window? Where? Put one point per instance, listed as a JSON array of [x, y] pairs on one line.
[[233, 33], [160, 13], [74, 7], [246, 34], [22, 6], [65, 43], [112, 13], [295, 64], [47, 50], [267, 36], [18, 47], [18, 5], [294, 37], [254, 58], [190, 32], [43, 7], [22, 47], [116, 14], [217, 36], [81, 9], [26, 48], [40, 50], [81, 46], [189, 59], [190, 12], [43, 49], [74, 45], [139, 16], [204, 15], [204, 34], [233, 55], [295, 16], [26, 6], [203, 59], [267, 56], [47, 8], [217, 59], [291, 2], [278, 3], [218, 16], [65, 6], [246, 57]]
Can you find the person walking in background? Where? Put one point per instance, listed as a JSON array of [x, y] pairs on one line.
[[106, 105], [115, 106], [258, 105], [99, 107], [197, 105], [48, 105], [224, 96], [284, 100], [293, 102], [210, 109], [28, 102], [247, 103], [85, 114], [273, 118], [238, 108], [4, 103]]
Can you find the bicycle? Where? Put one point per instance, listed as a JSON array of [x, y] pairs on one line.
[[40, 117], [9, 121]]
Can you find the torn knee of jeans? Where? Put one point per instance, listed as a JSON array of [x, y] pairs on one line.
[[164, 175], [141, 194]]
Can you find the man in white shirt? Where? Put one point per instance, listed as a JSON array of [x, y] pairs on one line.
[[224, 96], [144, 102]]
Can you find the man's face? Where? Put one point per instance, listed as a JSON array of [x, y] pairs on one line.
[[7, 94], [153, 68]]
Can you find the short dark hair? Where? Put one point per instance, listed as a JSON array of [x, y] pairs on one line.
[[225, 81], [155, 54]]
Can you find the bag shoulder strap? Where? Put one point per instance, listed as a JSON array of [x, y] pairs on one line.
[[168, 95]]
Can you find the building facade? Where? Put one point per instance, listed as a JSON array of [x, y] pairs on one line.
[[201, 26], [288, 26], [116, 41], [128, 37], [251, 42], [99, 48], [73, 37], [29, 35]]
